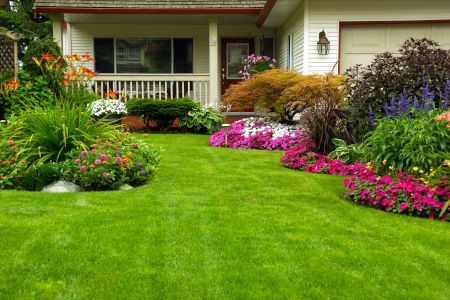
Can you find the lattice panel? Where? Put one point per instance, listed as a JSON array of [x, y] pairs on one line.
[[6, 56]]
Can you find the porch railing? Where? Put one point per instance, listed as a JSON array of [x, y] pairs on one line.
[[157, 86]]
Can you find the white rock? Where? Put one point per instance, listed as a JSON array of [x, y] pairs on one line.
[[126, 187], [62, 186]]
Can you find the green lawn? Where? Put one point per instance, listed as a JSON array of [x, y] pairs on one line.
[[217, 223]]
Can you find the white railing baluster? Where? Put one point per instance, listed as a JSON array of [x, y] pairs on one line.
[[189, 90], [182, 89], [148, 89]]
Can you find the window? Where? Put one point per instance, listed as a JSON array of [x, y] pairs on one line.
[[290, 52], [267, 47], [144, 55], [104, 55]]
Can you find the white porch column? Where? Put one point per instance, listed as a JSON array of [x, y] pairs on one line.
[[57, 33], [214, 87]]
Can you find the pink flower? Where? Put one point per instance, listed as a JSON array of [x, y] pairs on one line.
[[105, 175], [97, 161], [103, 156], [83, 168], [92, 166], [118, 159], [77, 161], [10, 142]]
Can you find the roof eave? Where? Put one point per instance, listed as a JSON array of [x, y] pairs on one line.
[[265, 12], [148, 11]]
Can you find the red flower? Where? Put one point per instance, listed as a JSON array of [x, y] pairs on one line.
[[10, 142]]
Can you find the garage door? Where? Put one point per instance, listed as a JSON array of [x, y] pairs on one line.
[[360, 43]]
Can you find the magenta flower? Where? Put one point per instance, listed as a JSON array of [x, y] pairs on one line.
[[118, 159], [83, 168], [97, 161], [103, 156], [142, 171]]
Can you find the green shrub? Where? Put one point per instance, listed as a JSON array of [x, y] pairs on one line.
[[406, 143], [372, 86], [49, 134], [108, 165], [78, 96], [39, 176], [12, 167], [162, 112], [202, 120]]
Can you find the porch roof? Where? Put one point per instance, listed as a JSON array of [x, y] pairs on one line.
[[150, 6]]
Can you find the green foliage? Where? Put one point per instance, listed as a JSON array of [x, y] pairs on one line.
[[202, 120], [35, 49], [39, 176], [49, 134], [22, 19], [30, 90], [11, 165], [388, 75], [405, 143], [348, 153], [78, 96], [162, 112]]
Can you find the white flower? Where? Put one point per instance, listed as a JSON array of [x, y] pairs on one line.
[[100, 108]]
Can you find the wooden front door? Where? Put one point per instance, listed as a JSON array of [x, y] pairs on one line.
[[234, 53]]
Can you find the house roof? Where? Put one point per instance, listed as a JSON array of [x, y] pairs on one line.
[[152, 4]]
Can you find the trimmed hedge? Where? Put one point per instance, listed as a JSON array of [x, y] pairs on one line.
[[162, 112]]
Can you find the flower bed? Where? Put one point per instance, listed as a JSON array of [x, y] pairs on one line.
[[108, 165], [402, 194], [258, 133], [104, 108], [301, 157], [10, 166]]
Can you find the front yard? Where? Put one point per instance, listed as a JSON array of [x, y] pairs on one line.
[[217, 223]]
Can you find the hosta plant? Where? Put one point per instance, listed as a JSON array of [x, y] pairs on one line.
[[204, 119]]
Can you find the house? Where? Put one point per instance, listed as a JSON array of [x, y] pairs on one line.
[[173, 48]]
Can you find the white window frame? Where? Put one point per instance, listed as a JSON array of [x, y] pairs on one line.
[[290, 52]]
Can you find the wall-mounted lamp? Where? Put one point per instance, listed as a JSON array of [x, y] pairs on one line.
[[323, 45]]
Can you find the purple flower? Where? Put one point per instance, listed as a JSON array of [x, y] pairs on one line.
[[84, 153], [138, 163], [142, 171]]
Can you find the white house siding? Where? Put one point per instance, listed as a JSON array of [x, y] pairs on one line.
[[295, 26], [326, 14]]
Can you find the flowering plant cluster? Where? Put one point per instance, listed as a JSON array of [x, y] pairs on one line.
[[301, 157], [256, 64], [102, 108], [109, 165], [11, 167], [402, 194], [76, 71], [258, 133]]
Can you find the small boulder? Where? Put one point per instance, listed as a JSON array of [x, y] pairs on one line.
[[62, 186], [126, 187]]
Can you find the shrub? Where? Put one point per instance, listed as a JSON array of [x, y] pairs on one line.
[[388, 75], [402, 194], [40, 175], [284, 93], [256, 64], [406, 143], [162, 112], [258, 133], [202, 120], [11, 166], [49, 134], [109, 165]]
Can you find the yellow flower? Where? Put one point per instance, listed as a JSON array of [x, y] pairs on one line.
[[391, 168], [415, 169], [384, 162], [421, 171]]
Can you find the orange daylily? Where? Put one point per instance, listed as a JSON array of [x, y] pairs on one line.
[[47, 56], [111, 94], [87, 57], [12, 84]]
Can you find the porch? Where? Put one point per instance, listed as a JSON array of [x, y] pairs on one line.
[[163, 56]]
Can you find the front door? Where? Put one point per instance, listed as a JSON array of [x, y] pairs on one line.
[[234, 53]]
